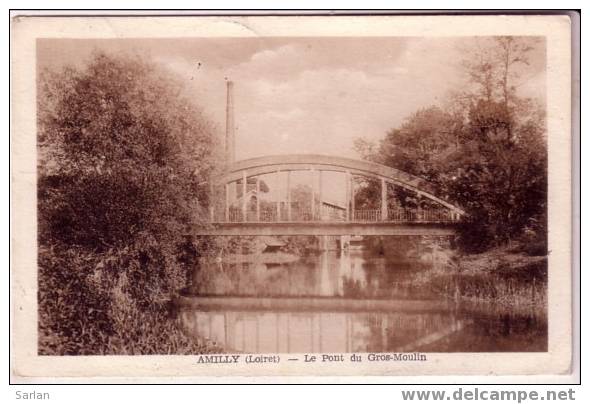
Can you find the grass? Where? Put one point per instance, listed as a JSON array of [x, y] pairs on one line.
[[502, 277]]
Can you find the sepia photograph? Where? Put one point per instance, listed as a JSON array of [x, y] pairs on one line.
[[266, 198]]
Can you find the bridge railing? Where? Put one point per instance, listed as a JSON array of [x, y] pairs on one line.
[[282, 213], [368, 215], [235, 215], [421, 215]]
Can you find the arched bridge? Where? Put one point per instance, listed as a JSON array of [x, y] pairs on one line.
[[240, 207]]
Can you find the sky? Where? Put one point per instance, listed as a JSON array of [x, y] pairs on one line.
[[304, 95]]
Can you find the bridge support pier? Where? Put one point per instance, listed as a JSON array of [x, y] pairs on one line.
[[289, 196], [278, 181], [324, 243], [352, 207], [244, 199], [257, 199], [227, 202], [344, 242], [383, 200], [347, 180], [312, 171], [321, 194]]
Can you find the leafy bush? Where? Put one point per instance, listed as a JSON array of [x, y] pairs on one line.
[[123, 156]]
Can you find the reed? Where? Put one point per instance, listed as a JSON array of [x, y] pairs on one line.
[[516, 281]]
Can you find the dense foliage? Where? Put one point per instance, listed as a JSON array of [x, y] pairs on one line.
[[486, 150], [124, 159]]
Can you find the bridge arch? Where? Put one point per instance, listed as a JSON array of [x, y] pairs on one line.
[[304, 162]]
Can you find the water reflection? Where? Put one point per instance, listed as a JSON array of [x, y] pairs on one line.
[[267, 332], [344, 301], [343, 273]]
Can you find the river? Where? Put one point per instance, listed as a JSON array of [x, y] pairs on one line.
[[346, 301]]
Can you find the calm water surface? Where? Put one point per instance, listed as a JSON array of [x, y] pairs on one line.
[[345, 301]]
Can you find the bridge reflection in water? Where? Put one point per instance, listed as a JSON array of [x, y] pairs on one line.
[[343, 301], [336, 301], [298, 332], [342, 273]]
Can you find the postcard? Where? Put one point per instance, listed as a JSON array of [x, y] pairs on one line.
[[199, 196]]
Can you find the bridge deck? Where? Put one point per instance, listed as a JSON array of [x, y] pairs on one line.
[[326, 229]]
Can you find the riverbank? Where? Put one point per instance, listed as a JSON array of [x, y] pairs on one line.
[[504, 277]]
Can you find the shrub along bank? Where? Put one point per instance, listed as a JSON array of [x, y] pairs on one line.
[[123, 155]]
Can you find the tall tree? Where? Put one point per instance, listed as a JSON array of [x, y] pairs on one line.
[[486, 150]]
